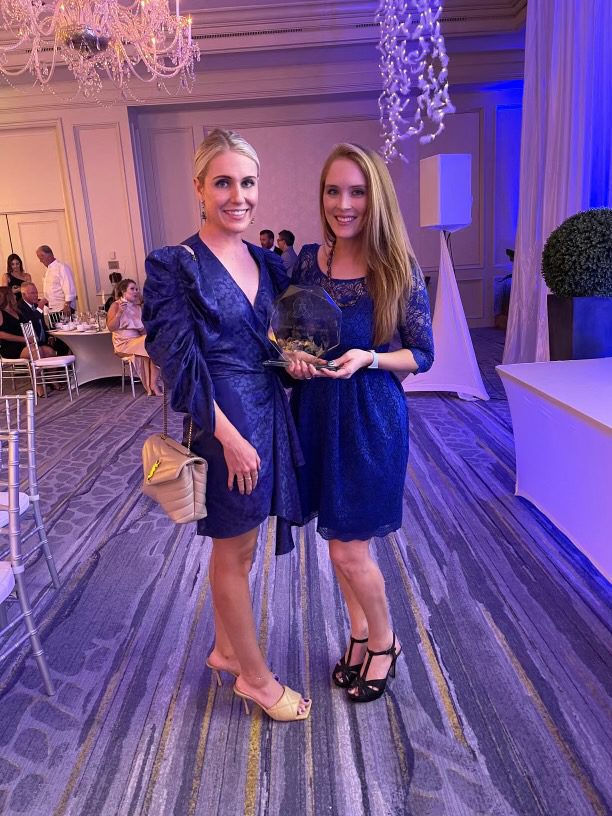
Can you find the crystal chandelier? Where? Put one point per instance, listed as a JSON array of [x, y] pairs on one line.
[[98, 39], [413, 63]]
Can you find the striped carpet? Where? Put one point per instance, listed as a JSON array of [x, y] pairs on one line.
[[501, 705]]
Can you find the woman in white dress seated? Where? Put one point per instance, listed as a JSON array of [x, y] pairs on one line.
[[125, 321]]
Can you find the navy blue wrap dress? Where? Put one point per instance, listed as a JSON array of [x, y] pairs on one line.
[[210, 344], [354, 433]]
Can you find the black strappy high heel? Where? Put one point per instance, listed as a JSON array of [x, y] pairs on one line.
[[344, 674], [364, 691]]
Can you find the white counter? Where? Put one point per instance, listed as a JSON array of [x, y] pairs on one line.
[[562, 419]]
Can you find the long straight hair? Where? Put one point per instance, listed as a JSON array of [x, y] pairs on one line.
[[384, 238], [13, 257]]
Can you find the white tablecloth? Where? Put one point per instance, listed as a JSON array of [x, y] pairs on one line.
[[94, 354], [562, 419]]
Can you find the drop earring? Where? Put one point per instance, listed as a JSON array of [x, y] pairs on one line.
[[202, 212]]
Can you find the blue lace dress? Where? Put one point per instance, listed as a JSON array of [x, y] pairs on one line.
[[210, 344], [354, 433]]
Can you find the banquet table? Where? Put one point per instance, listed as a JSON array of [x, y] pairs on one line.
[[93, 351], [562, 420]]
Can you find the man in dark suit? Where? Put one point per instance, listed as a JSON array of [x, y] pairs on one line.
[[30, 313], [266, 239]]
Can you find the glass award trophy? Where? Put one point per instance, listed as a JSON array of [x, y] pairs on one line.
[[304, 319]]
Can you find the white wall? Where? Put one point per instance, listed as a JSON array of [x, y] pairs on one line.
[[292, 140], [78, 161], [122, 179]]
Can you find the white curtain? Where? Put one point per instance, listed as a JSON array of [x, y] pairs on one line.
[[566, 148]]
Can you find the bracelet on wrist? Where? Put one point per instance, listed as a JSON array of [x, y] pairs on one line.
[[374, 363]]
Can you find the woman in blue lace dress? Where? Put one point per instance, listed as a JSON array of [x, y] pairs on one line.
[[206, 306], [352, 420]]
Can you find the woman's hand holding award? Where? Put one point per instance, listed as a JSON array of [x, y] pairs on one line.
[[304, 324]]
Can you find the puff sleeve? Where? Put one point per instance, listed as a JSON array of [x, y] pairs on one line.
[[181, 320]]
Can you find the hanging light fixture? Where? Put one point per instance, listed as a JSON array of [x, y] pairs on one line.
[[414, 71], [98, 39]]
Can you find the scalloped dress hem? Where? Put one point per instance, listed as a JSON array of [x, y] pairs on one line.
[[328, 533]]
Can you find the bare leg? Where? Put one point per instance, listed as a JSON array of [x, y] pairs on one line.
[[156, 380], [357, 618], [153, 378], [353, 561], [222, 654], [232, 599], [142, 367]]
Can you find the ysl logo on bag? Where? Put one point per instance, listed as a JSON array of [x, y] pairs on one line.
[[151, 473]]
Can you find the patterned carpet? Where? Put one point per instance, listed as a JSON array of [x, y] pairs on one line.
[[501, 705]]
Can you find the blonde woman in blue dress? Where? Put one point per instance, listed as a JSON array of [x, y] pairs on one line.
[[206, 311], [353, 421]]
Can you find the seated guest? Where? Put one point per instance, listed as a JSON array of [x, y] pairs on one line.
[[114, 278], [125, 322], [286, 240], [15, 274], [12, 341], [30, 312]]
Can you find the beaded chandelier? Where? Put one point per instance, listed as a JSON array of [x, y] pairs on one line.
[[414, 71], [98, 39]]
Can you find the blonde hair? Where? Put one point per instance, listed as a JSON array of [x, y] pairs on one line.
[[220, 141], [386, 244]]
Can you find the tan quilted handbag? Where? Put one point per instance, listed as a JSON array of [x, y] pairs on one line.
[[173, 476]]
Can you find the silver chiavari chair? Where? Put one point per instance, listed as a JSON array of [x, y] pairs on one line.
[[12, 569], [51, 369], [14, 369], [53, 319], [17, 413], [127, 368]]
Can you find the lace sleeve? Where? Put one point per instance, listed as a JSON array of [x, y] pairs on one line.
[[415, 330], [305, 270]]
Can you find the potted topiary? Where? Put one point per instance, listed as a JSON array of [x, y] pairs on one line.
[[577, 268]]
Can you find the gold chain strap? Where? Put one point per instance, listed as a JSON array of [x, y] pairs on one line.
[[165, 423], [189, 434]]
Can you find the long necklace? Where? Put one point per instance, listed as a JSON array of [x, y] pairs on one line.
[[347, 295]]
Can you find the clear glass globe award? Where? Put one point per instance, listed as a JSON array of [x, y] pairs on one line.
[[304, 319]]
